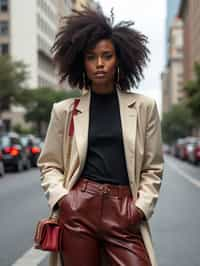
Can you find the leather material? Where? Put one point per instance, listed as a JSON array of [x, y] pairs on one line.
[[101, 217], [47, 235]]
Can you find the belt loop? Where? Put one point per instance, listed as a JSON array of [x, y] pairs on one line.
[[84, 186]]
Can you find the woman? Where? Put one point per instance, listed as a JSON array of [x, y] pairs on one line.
[[101, 165]]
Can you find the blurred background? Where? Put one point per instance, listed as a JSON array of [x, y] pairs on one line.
[[29, 86]]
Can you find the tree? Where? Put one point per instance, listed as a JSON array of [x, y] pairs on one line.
[[38, 103], [192, 90], [177, 123], [12, 80]]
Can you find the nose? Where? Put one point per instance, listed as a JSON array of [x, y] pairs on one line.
[[100, 62]]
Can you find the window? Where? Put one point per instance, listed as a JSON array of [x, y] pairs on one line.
[[4, 48], [3, 5], [3, 28]]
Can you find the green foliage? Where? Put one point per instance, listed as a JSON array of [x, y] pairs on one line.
[[39, 102], [21, 130], [12, 80], [177, 123]]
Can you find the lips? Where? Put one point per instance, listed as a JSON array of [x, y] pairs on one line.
[[100, 74]]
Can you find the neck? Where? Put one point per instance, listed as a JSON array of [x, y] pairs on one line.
[[103, 88]]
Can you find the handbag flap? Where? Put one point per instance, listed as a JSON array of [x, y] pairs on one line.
[[41, 228]]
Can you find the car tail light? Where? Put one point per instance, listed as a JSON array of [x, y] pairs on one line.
[[7, 149], [35, 150], [12, 150], [0, 156]]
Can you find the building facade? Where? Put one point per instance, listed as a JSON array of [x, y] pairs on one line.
[[28, 34], [27, 31], [172, 77], [172, 7], [165, 91], [190, 13], [4, 27], [78, 4]]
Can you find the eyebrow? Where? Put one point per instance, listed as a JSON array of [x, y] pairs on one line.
[[105, 51]]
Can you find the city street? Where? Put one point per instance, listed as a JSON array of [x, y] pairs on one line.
[[175, 224]]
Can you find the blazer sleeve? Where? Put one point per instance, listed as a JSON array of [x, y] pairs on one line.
[[152, 167], [50, 161]]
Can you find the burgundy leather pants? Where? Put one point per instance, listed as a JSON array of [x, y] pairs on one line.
[[98, 217]]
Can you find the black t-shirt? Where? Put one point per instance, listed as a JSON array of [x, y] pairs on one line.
[[105, 161]]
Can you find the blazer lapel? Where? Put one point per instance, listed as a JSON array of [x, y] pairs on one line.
[[129, 124], [81, 125]]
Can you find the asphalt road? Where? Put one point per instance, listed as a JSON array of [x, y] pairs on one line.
[[21, 204], [175, 223]]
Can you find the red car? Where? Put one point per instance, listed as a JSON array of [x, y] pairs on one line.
[[186, 146], [194, 154]]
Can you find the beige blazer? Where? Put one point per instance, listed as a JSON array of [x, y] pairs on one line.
[[61, 163]]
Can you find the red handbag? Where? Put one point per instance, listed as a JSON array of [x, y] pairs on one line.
[[48, 235]]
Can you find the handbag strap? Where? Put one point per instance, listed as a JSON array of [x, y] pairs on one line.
[[74, 112], [53, 214]]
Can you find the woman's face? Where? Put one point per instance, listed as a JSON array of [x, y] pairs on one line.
[[100, 63]]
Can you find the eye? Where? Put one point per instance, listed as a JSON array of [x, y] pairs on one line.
[[108, 56], [90, 57]]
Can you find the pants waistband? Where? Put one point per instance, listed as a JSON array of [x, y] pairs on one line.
[[106, 189]]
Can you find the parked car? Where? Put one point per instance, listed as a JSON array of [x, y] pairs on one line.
[[2, 171], [194, 154], [33, 148], [186, 147], [176, 148], [14, 154]]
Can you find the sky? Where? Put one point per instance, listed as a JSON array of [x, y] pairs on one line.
[[149, 17]]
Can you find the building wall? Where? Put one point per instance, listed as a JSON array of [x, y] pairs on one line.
[[165, 91], [176, 61], [78, 3], [186, 16], [33, 25], [91, 3], [172, 7], [190, 13], [32, 33], [47, 24], [4, 36], [172, 77], [64, 8], [195, 30], [23, 41]]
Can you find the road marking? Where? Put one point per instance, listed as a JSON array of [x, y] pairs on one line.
[[184, 175], [31, 257]]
